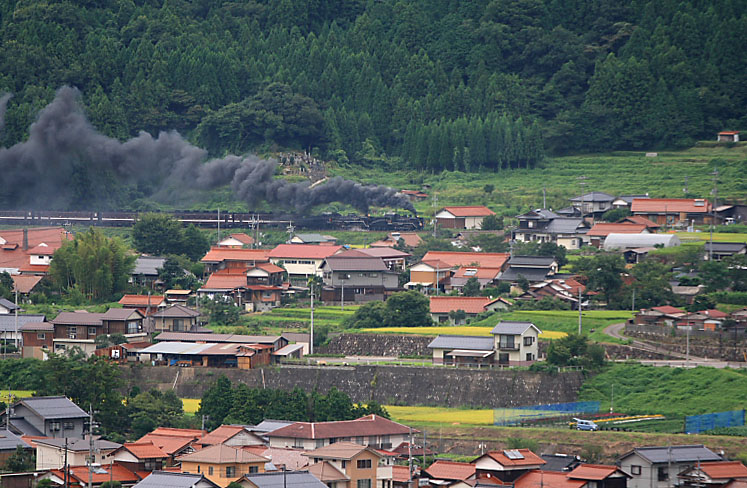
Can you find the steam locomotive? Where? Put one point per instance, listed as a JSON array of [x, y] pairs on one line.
[[227, 220]]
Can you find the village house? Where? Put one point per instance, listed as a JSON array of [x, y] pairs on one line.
[[170, 479], [145, 272], [414, 195], [25, 285], [672, 212], [395, 260], [428, 275], [317, 239], [637, 219], [236, 241], [218, 258], [566, 290], [11, 329], [371, 430], [583, 476], [51, 453], [532, 268], [624, 201], [78, 476], [139, 456], [37, 339], [222, 464], [713, 474], [442, 306], [444, 472], [174, 442], [593, 203], [256, 289], [465, 217], [180, 297], [9, 444], [52, 416], [658, 466], [512, 344], [302, 260], [721, 250], [486, 277], [445, 264], [7, 307], [232, 435], [145, 304], [354, 276], [664, 316], [728, 136], [176, 318], [544, 225], [282, 458], [507, 465], [409, 239], [292, 479], [358, 463], [208, 354], [29, 251]]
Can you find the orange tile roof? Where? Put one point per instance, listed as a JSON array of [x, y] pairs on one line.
[[529, 458], [221, 434], [338, 450], [469, 211], [604, 229], [481, 259], [401, 474], [668, 309], [141, 300], [303, 251], [41, 250], [220, 254], [369, 425], [719, 470], [715, 314], [118, 473], [450, 470], [670, 205], [327, 472], [639, 219], [144, 450], [471, 305], [270, 268], [483, 273], [225, 281], [547, 479], [595, 472], [34, 268], [169, 445], [12, 255], [243, 238], [223, 454]]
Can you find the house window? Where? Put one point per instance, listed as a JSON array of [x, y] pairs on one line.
[[386, 442], [92, 331], [635, 469], [230, 471], [319, 443], [662, 474], [298, 443], [507, 342], [363, 464], [41, 336], [253, 469], [344, 464], [178, 324], [133, 327], [68, 426], [72, 332], [528, 341], [530, 356], [503, 358], [364, 483], [54, 426], [198, 468], [210, 470]]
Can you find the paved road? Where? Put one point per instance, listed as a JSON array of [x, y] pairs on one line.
[[616, 331]]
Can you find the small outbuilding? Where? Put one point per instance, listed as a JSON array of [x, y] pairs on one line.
[[636, 241], [728, 136]]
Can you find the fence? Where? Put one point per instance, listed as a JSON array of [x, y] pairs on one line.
[[709, 421], [517, 415]]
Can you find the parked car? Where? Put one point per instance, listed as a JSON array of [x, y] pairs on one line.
[[586, 424]]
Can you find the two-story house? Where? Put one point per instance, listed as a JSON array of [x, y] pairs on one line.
[[222, 464], [176, 318], [218, 258], [122, 321], [533, 268], [302, 261], [512, 344], [358, 463], [673, 211], [658, 466], [464, 217], [394, 259], [356, 277], [37, 339], [543, 225], [139, 456], [51, 453], [77, 329], [507, 465], [593, 203], [53, 416], [371, 430]]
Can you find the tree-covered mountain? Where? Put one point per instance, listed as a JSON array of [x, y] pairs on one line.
[[440, 84]]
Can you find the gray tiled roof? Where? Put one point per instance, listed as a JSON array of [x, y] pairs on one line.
[[177, 310], [676, 454], [148, 265], [74, 444], [462, 342], [564, 225], [286, 479], [511, 328], [312, 238], [9, 441], [120, 314], [56, 407], [8, 322], [595, 196], [78, 318], [165, 479], [531, 261], [8, 304], [531, 274], [23, 426], [726, 246]]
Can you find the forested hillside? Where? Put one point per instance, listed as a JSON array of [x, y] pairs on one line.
[[436, 84]]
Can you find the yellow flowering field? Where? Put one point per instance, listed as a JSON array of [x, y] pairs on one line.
[[15, 394], [190, 405], [441, 415]]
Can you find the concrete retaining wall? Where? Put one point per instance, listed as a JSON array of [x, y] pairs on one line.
[[377, 345]]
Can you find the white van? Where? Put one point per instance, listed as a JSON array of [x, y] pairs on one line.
[[585, 425]]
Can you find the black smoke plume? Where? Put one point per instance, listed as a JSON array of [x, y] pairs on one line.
[[66, 161]]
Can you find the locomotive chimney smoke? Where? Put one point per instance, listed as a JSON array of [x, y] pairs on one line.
[[4, 98], [65, 157]]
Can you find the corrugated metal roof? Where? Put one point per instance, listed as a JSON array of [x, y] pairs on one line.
[[215, 338], [148, 265], [177, 348], [289, 349], [675, 454], [474, 343]]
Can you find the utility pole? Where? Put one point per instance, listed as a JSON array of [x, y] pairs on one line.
[[65, 467], [612, 398], [544, 196], [435, 221], [91, 447], [409, 457], [342, 293], [713, 211], [311, 331], [218, 225], [579, 310], [425, 441], [632, 306], [15, 337]]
